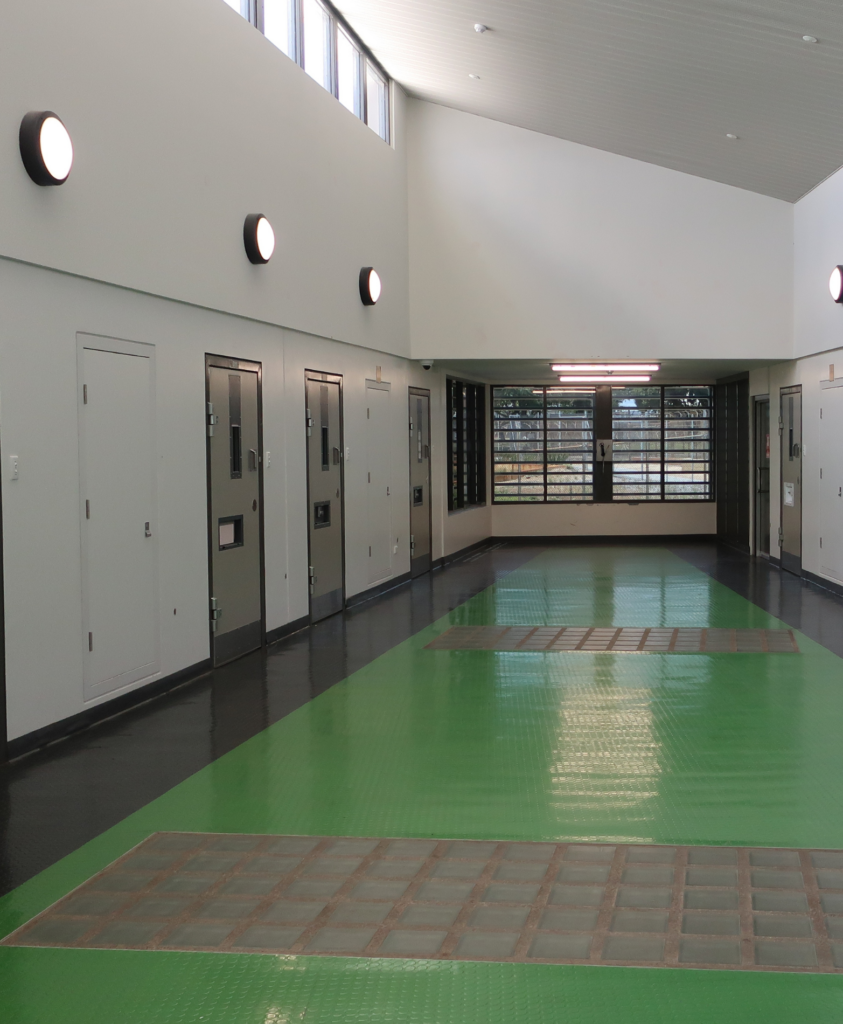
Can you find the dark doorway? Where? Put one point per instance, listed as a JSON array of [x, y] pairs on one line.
[[732, 461]]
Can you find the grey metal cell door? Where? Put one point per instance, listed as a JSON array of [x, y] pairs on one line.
[[235, 513], [326, 556], [420, 508], [790, 427], [117, 513]]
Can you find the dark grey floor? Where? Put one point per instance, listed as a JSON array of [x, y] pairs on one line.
[[814, 611], [54, 800]]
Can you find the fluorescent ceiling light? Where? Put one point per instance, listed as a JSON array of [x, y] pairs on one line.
[[564, 391], [606, 379], [605, 367]]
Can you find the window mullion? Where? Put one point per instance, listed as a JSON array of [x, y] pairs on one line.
[[332, 54], [544, 436], [662, 432]]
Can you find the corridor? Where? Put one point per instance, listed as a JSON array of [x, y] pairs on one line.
[[596, 755]]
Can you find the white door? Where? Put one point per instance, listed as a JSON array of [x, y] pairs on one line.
[[378, 443], [117, 474], [831, 482]]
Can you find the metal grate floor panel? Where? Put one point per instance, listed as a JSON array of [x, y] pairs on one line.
[[758, 909], [618, 640]]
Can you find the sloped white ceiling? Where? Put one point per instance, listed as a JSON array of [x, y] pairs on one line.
[[659, 80]]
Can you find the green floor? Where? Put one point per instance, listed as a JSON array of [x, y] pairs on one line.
[[733, 749]]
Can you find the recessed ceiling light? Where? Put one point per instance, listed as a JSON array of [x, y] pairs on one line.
[[484, 28], [606, 378], [475, 77], [605, 367], [45, 148], [729, 135], [258, 238], [809, 39], [370, 286]]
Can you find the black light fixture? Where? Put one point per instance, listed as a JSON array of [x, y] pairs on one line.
[[370, 286], [258, 238], [45, 148], [835, 284]]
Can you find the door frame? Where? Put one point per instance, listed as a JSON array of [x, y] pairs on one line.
[[325, 378], [791, 389], [229, 363], [757, 401], [86, 341], [4, 719], [423, 393]]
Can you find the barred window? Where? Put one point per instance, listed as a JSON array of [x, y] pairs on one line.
[[467, 444], [543, 448], [662, 443], [544, 443]]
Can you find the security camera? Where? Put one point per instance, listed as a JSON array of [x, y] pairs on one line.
[[426, 363]]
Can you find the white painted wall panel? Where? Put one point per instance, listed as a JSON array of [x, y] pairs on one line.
[[379, 476], [42, 313], [524, 245], [830, 459], [818, 230], [604, 520], [184, 120]]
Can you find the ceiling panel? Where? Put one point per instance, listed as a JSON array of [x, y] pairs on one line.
[[659, 80]]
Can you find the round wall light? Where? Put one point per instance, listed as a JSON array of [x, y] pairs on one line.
[[258, 238], [370, 286], [835, 284], [45, 148]]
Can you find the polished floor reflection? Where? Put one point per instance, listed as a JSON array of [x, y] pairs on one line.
[[704, 750], [56, 799]]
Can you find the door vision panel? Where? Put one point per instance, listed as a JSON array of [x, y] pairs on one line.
[[117, 477], [325, 506], [235, 500]]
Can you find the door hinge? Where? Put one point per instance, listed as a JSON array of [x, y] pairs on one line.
[[412, 543], [781, 537], [308, 422], [212, 419], [311, 576], [216, 613]]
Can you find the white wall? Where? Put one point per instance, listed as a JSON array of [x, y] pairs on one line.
[[818, 247], [526, 246], [643, 519], [184, 120], [42, 313]]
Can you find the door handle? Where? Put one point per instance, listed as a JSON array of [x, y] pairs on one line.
[[146, 530], [337, 456], [253, 459]]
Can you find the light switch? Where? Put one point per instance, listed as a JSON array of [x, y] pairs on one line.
[[13, 467]]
